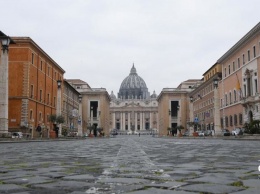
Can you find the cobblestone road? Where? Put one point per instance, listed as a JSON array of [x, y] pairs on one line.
[[131, 164]]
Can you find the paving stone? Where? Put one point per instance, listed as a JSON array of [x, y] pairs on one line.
[[10, 187], [168, 185], [29, 180], [255, 183], [248, 191], [82, 177], [215, 178], [160, 191], [122, 180], [131, 164], [211, 188]]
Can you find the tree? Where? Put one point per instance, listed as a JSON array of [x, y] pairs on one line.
[[253, 127], [180, 127]]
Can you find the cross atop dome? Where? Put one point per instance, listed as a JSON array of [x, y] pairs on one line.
[[133, 70]]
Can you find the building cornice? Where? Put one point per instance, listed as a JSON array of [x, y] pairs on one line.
[[30, 41], [243, 40]]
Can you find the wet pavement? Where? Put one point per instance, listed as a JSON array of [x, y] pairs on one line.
[[131, 164]]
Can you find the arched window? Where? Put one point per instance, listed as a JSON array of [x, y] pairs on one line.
[[235, 96], [226, 121], [240, 118], [235, 120], [231, 120]]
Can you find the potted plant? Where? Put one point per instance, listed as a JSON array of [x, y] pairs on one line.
[[55, 120]]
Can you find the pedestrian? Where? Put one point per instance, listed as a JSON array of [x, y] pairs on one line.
[[39, 130], [139, 134]]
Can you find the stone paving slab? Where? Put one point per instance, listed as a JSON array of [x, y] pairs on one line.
[[211, 188], [10, 187], [160, 191], [130, 164]]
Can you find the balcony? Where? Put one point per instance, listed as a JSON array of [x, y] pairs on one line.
[[249, 100]]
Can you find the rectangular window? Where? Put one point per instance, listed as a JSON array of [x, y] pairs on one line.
[[240, 119], [226, 121], [32, 58], [248, 55], [54, 103], [229, 70], [41, 65], [40, 116], [31, 91], [40, 95], [243, 59], [225, 72], [254, 51], [238, 63], [48, 70], [244, 90], [256, 90], [31, 114], [48, 98], [234, 67]]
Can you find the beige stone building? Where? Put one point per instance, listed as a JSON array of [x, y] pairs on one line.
[[174, 106], [134, 110], [95, 106], [239, 87], [71, 109], [204, 101]]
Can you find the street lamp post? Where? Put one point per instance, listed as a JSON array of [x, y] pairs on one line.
[[170, 122], [5, 41], [80, 133], [191, 113], [217, 128], [58, 111]]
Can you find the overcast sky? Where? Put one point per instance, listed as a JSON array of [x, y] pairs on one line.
[[97, 41]]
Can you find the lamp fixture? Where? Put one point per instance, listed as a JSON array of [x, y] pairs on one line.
[[215, 82], [59, 83], [5, 43], [191, 98], [80, 98]]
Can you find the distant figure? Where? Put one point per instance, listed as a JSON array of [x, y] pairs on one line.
[[39, 130], [139, 134]]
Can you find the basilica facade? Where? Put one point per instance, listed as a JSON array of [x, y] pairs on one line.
[[134, 109]]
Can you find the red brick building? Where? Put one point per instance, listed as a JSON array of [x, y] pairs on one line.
[[33, 76]]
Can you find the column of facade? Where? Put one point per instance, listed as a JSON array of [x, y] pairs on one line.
[[141, 120], [121, 121], [150, 121], [123, 116], [113, 120], [135, 121], [129, 125], [144, 120]]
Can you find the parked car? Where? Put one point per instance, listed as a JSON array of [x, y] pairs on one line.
[[17, 135], [187, 133], [225, 132], [201, 133], [237, 132], [208, 133]]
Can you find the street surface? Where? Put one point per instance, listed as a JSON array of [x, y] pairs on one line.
[[131, 164]]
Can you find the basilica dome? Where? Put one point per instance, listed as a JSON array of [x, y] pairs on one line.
[[133, 87]]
